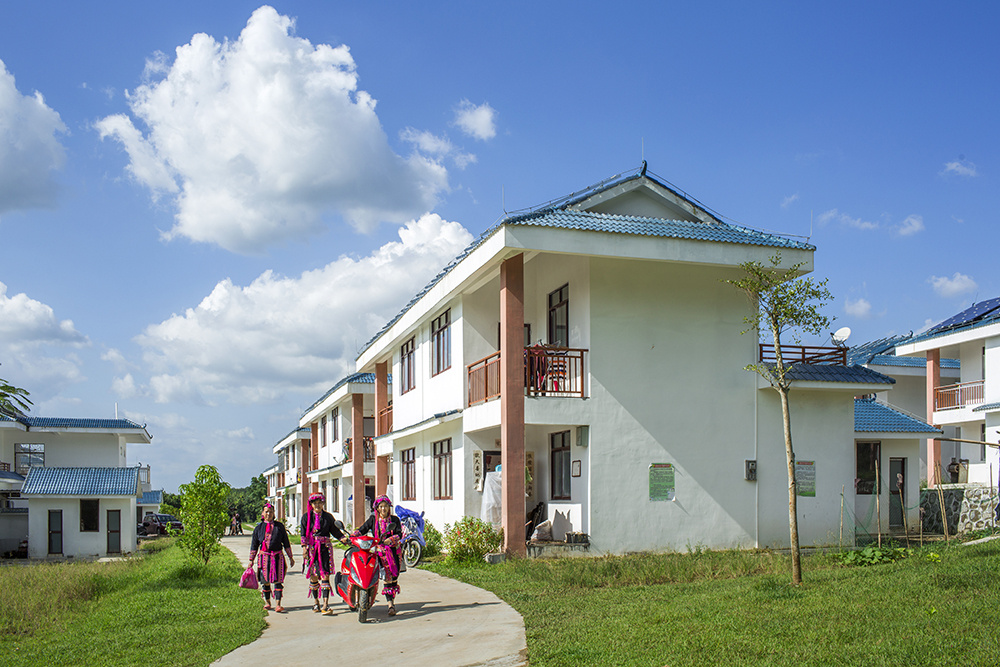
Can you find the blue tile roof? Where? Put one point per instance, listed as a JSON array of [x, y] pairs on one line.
[[987, 407], [837, 373], [882, 352], [151, 497], [870, 416], [77, 422], [359, 378], [81, 482], [8, 476], [556, 215]]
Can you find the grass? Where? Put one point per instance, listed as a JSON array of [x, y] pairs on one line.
[[159, 609], [738, 608]]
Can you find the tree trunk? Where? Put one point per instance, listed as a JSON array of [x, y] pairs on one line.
[[793, 515]]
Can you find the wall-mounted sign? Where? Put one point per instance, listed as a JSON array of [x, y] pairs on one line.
[[805, 478], [661, 481]]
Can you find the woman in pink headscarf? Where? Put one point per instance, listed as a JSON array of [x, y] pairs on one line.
[[317, 527], [266, 545], [387, 529]]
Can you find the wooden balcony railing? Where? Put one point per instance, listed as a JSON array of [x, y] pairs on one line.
[[548, 371], [385, 420], [369, 445], [804, 354], [958, 395]]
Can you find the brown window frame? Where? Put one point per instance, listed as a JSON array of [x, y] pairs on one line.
[[407, 366], [559, 303], [322, 431], [335, 494], [563, 450], [90, 518], [334, 426], [441, 343], [442, 469], [408, 463]]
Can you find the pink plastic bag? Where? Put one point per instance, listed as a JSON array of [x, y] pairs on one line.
[[249, 579]]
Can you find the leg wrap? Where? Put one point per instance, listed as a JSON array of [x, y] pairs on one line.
[[313, 590], [265, 592], [390, 591], [278, 589], [326, 591]]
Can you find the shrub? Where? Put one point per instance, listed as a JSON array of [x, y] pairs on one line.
[[470, 539], [433, 540], [872, 555]]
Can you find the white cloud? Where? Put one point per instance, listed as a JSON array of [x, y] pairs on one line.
[[245, 433], [29, 149], [476, 121], [960, 167], [25, 323], [439, 147], [257, 139], [281, 335], [846, 220], [789, 200], [125, 387], [957, 285], [860, 308], [911, 225]]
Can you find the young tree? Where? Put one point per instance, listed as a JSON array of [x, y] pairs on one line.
[[14, 402], [203, 513], [783, 303]]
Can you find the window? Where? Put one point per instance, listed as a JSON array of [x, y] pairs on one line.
[[410, 473], [559, 465], [28, 456], [407, 381], [441, 342], [90, 513], [868, 455], [322, 431], [442, 469], [559, 317], [334, 425], [335, 494]]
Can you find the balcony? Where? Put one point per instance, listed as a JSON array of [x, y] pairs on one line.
[[385, 420], [803, 354], [548, 371], [369, 445], [959, 395]]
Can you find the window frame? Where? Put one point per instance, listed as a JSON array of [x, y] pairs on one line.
[[408, 465], [407, 366], [441, 343], [335, 494], [863, 484], [442, 469], [322, 432], [562, 450], [559, 306], [93, 513], [28, 455], [334, 425]]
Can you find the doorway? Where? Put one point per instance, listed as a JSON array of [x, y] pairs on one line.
[[897, 491], [114, 531], [55, 532]]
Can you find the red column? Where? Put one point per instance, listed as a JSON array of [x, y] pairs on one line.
[[933, 446], [512, 403], [358, 458]]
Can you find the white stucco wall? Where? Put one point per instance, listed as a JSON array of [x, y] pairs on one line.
[[76, 543]]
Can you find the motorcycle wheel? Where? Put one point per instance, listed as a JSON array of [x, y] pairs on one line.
[[363, 604], [412, 551]]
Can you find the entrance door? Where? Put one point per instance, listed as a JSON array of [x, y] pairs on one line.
[[55, 532], [897, 491], [114, 531]]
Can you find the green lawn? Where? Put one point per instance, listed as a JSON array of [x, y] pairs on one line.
[[737, 608], [160, 609]]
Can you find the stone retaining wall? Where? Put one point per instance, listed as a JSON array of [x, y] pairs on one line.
[[968, 507]]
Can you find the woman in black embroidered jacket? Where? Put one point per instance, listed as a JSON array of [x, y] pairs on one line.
[[266, 544], [387, 529], [316, 527]]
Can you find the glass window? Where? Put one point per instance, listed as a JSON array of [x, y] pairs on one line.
[[559, 317], [442, 469], [407, 380], [868, 454], [410, 473], [441, 342], [90, 513], [322, 431], [559, 454], [334, 426], [335, 494], [28, 456]]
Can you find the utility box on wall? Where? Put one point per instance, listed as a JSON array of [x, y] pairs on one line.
[[750, 473]]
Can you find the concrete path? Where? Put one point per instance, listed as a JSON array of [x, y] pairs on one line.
[[439, 623]]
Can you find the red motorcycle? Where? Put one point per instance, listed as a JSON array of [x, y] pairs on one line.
[[358, 579]]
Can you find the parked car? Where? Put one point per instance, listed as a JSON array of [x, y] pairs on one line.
[[160, 524]]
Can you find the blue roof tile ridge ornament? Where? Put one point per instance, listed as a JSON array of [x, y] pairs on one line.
[[556, 214]]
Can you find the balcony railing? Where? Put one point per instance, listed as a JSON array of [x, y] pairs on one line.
[[548, 371], [144, 475], [958, 395], [385, 420], [804, 354], [369, 445]]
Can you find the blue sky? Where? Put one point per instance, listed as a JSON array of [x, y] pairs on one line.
[[207, 208]]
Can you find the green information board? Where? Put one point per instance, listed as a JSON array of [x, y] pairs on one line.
[[661, 481], [805, 478]]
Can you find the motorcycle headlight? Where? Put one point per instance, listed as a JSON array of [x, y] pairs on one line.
[[366, 544]]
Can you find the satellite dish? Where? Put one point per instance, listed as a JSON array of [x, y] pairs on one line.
[[841, 335]]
